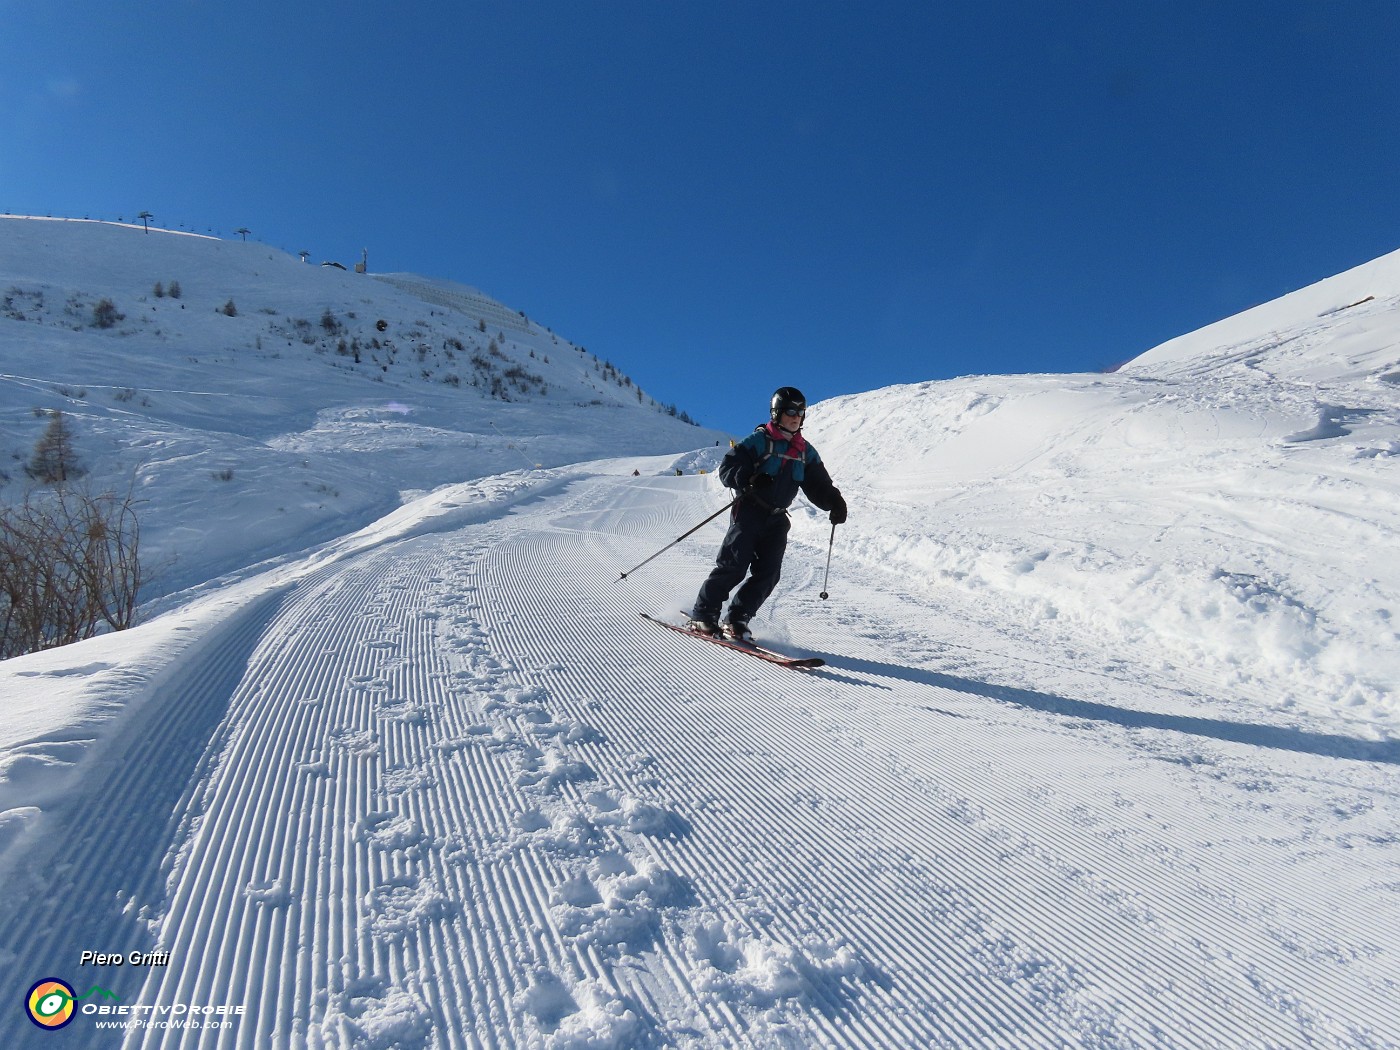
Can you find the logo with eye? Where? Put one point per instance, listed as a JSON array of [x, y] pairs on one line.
[[50, 1003]]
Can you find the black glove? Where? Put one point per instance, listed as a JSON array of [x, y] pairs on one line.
[[838, 511], [760, 480]]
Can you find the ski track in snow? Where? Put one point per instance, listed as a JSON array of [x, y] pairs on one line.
[[454, 792]]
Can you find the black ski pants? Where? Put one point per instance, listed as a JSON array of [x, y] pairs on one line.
[[754, 545]]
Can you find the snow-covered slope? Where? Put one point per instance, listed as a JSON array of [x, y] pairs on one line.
[[1104, 754], [324, 397], [1340, 330], [1227, 505], [440, 787]]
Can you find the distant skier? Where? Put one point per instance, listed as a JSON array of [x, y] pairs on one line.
[[767, 469]]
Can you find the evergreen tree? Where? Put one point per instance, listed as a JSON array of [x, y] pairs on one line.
[[55, 460]]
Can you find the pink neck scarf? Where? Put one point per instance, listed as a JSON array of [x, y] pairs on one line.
[[797, 444]]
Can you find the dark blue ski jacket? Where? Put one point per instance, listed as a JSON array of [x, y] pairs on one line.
[[793, 465]]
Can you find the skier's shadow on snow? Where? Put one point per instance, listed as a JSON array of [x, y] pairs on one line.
[[1280, 738]]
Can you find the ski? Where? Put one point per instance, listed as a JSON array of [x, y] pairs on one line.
[[800, 662]]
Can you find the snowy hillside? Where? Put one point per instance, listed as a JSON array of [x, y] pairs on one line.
[[1104, 755], [1227, 505], [322, 399]]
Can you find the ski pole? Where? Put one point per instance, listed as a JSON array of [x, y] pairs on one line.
[[668, 546], [830, 544], [510, 444]]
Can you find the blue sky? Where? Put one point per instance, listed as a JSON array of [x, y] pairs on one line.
[[725, 197]]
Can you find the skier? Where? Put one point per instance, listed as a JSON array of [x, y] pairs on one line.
[[767, 468]]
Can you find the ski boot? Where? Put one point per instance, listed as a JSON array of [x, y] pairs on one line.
[[738, 631]]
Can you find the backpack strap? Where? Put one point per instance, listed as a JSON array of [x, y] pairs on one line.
[[771, 450]]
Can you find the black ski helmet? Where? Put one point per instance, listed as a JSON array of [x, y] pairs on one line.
[[786, 399]]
